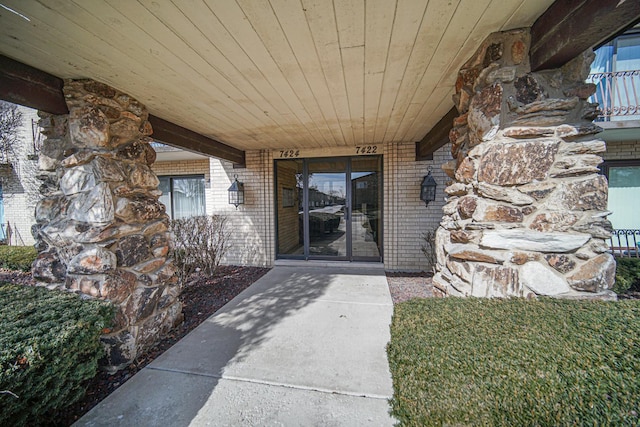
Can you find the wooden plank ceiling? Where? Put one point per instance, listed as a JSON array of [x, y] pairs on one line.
[[268, 73]]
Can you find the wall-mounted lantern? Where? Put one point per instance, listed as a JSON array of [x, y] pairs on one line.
[[236, 193], [428, 189]]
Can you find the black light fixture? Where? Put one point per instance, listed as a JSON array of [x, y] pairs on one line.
[[428, 189], [236, 193]]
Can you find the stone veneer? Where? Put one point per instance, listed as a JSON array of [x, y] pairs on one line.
[[100, 229], [526, 213]]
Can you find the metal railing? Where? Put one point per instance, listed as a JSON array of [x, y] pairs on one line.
[[617, 93], [624, 243]]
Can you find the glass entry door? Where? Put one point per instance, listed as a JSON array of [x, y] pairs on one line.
[[366, 207], [329, 208]]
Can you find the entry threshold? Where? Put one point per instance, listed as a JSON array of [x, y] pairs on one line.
[[377, 266]]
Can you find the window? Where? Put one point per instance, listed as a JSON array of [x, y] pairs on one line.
[[183, 195], [624, 189], [616, 74]]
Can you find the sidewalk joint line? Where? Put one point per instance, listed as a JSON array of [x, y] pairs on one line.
[[307, 388], [274, 383], [384, 304]]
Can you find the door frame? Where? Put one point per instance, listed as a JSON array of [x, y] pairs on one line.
[[348, 212]]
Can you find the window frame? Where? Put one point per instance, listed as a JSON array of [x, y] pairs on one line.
[[607, 164], [178, 176]]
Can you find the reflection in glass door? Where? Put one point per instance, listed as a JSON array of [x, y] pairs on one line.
[[329, 208], [365, 207]]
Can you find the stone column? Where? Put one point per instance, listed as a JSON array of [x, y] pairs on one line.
[[526, 212], [100, 229]]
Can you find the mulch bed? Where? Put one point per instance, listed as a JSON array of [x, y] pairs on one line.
[[405, 286], [201, 297]]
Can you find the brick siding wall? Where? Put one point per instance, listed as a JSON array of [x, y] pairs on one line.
[[623, 150], [20, 185], [252, 224], [405, 216]]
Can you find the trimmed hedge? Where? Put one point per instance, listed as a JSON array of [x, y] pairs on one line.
[[515, 362], [17, 257], [49, 345], [627, 275]]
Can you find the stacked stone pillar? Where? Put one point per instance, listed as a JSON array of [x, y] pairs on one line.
[[526, 211], [100, 229]]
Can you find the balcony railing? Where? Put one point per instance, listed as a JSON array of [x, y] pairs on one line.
[[624, 243], [617, 93]]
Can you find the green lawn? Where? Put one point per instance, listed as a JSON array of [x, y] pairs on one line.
[[515, 362]]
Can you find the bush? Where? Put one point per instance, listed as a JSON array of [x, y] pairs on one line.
[[17, 257], [627, 275], [515, 362], [49, 345], [200, 242], [429, 249]]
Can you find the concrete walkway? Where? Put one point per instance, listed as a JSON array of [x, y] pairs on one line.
[[303, 346]]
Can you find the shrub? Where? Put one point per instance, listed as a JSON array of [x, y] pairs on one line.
[[17, 257], [49, 345], [515, 362], [200, 242], [627, 275], [429, 248]]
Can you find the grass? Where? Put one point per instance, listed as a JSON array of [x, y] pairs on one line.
[[515, 362]]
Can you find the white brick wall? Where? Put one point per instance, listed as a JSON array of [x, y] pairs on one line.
[[20, 186], [623, 150], [253, 223], [405, 215]]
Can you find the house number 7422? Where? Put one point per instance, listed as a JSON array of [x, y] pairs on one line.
[[367, 149]]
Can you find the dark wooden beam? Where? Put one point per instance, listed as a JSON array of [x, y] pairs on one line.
[[177, 136], [437, 137], [25, 85], [569, 27], [565, 30]]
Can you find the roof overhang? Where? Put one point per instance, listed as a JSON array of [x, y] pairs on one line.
[[248, 74], [272, 74], [25, 85]]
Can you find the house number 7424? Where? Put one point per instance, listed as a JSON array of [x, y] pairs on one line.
[[289, 153]]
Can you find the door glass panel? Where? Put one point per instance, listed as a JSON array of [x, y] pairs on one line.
[[624, 187], [327, 207], [365, 207], [289, 205]]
